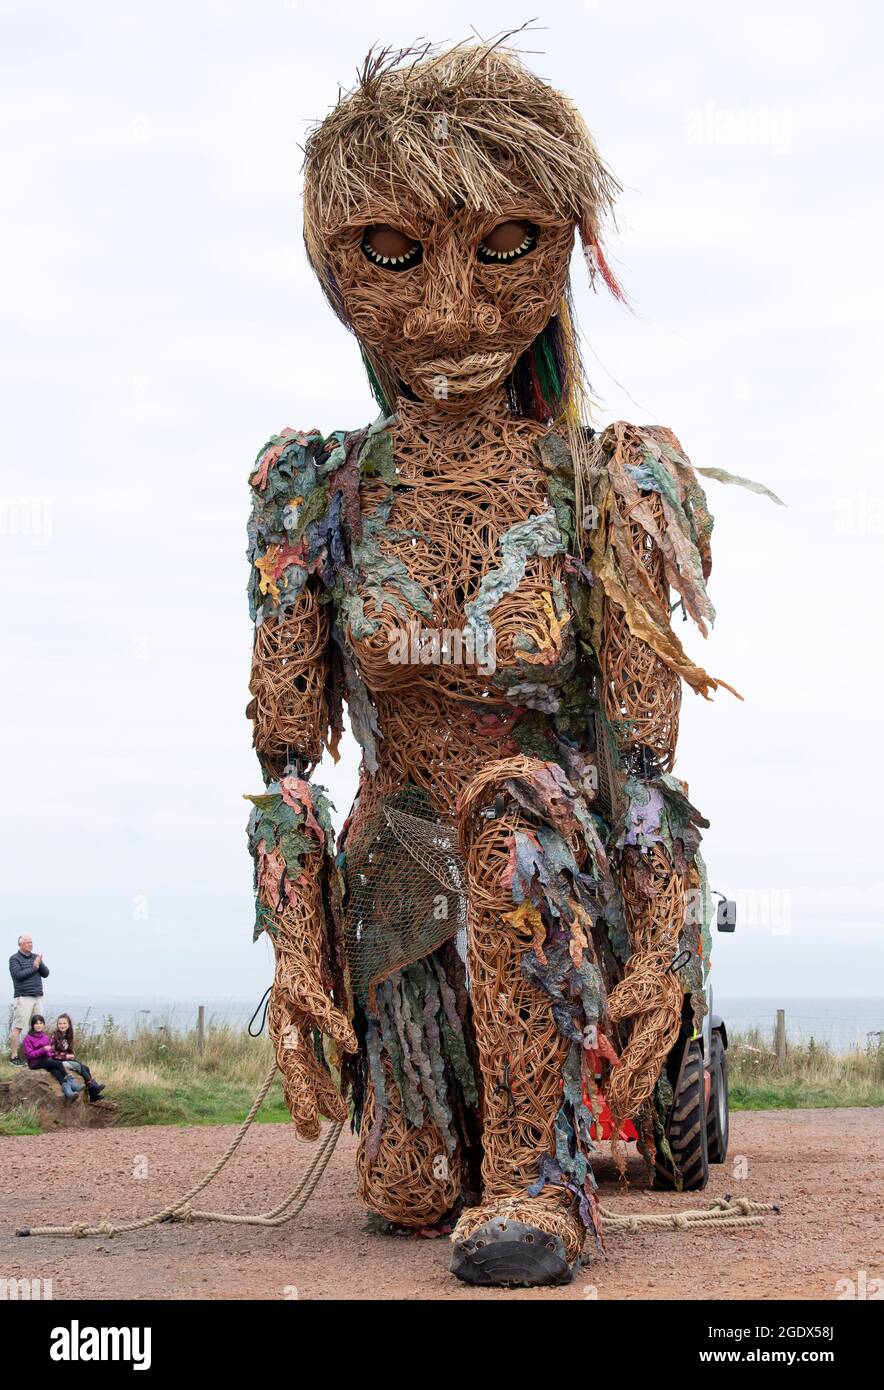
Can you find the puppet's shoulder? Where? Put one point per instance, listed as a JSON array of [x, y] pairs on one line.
[[620, 494], [306, 508], [297, 463], [651, 458], [595, 476], [631, 464], [647, 496], [288, 528], [628, 464], [290, 462]]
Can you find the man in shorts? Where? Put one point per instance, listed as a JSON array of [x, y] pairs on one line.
[[28, 973]]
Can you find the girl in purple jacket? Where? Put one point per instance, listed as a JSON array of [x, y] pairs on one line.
[[38, 1052]]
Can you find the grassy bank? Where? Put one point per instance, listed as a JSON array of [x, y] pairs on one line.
[[158, 1077], [812, 1077]]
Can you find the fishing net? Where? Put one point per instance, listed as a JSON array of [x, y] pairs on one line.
[[406, 891]]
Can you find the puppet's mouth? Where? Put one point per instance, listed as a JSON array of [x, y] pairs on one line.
[[456, 376]]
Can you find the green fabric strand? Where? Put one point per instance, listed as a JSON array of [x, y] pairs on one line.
[[419, 1029], [411, 1012], [721, 476], [547, 372], [452, 1033], [539, 535], [431, 1032], [376, 458], [392, 1031], [375, 385]]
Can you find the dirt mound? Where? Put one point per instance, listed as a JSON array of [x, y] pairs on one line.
[[40, 1092]]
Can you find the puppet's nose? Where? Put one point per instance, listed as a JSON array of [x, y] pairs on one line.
[[446, 328], [445, 318], [443, 327]]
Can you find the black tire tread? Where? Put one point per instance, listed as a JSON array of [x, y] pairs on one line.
[[716, 1142], [687, 1130]]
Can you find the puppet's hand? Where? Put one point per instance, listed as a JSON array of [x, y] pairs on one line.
[[292, 841], [301, 1007]]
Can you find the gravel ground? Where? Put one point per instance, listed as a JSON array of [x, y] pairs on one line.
[[825, 1168]]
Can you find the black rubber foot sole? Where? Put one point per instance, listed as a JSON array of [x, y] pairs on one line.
[[511, 1255]]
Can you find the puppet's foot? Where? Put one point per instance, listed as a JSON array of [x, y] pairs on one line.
[[517, 1242]]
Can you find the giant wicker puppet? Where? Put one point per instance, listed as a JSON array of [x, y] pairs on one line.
[[480, 971]]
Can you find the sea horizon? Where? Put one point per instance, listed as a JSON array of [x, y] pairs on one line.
[[840, 1021]]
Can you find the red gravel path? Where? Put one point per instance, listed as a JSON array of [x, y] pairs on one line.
[[825, 1167]]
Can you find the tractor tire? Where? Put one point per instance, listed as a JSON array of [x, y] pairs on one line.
[[718, 1116], [686, 1129]]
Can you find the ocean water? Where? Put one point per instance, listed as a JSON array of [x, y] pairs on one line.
[[177, 1015], [842, 1023]]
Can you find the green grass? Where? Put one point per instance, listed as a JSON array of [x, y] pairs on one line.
[[813, 1076], [21, 1120], [157, 1076]]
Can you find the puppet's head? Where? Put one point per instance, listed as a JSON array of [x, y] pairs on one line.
[[441, 200]]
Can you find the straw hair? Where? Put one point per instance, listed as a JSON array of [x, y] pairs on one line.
[[471, 124]]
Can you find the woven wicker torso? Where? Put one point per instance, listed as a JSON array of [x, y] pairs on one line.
[[444, 711]]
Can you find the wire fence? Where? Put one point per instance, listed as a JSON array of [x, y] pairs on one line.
[[840, 1028], [158, 1016], [838, 1024]]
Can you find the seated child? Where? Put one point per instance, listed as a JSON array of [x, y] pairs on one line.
[[64, 1051]]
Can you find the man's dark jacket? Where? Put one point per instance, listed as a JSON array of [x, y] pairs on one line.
[[27, 978]]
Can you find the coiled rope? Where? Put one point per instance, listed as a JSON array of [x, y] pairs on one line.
[[719, 1214]]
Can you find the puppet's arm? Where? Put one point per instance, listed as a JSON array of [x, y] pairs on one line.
[[294, 702], [651, 535]]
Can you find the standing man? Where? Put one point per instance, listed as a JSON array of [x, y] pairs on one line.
[[28, 973]]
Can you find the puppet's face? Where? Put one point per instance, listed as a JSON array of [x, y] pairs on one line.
[[449, 299]]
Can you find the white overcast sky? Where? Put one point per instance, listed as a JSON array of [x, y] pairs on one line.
[[159, 322]]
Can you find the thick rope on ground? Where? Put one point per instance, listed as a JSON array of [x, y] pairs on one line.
[[722, 1213]]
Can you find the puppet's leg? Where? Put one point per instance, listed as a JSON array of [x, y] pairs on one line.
[[511, 1237], [418, 1134], [404, 1173]]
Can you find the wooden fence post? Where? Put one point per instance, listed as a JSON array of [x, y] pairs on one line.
[[201, 1029], [781, 1037]]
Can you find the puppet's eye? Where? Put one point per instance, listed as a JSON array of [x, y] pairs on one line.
[[389, 248], [507, 242]]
